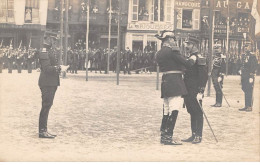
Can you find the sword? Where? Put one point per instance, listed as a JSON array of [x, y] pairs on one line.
[[200, 102], [223, 94]]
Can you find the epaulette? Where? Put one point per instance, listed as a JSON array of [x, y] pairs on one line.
[[201, 60], [43, 55]]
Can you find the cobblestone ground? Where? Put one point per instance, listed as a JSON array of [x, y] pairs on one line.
[[100, 121]]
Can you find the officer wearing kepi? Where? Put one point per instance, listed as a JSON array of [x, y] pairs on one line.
[[217, 74], [248, 71], [195, 79], [172, 64], [48, 82]]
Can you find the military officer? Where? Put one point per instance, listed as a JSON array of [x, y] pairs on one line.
[[172, 64], [19, 60], [2, 53], [195, 79], [248, 71], [30, 59], [48, 82], [217, 74]]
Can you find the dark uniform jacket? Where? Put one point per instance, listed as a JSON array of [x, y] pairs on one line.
[[48, 76], [196, 77], [169, 59], [249, 65], [219, 63]]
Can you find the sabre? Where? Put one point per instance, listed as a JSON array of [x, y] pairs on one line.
[[223, 94], [200, 102]]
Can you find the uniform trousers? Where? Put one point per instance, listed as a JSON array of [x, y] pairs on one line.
[[48, 93]]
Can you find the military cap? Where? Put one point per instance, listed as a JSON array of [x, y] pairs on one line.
[[165, 34]]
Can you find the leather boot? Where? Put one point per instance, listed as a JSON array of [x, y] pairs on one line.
[[46, 135], [163, 128], [164, 121], [243, 109], [197, 139], [167, 136]]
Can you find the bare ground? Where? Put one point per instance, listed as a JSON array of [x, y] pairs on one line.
[[101, 121]]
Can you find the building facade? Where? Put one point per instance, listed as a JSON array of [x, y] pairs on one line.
[[145, 19], [22, 22]]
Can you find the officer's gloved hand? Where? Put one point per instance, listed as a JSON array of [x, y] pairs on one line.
[[219, 79], [251, 80], [239, 72], [200, 96]]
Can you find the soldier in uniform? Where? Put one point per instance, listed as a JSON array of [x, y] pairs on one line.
[[1, 59], [248, 71], [75, 61], [19, 60], [217, 74], [172, 64], [48, 82], [195, 79], [30, 59], [10, 59]]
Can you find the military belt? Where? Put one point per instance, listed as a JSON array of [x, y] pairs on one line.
[[173, 71]]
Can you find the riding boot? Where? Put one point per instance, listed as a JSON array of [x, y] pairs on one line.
[[167, 136], [163, 127]]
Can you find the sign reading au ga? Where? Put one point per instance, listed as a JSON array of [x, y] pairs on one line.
[[220, 4], [149, 26]]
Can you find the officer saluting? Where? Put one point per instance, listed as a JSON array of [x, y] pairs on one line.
[[195, 79], [217, 74], [248, 70], [48, 82], [172, 64]]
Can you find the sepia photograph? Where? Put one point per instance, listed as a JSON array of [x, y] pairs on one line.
[[129, 80]]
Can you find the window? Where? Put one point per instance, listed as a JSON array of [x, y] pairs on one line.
[[151, 10], [188, 19], [143, 13], [6, 11], [168, 7], [32, 11], [135, 10]]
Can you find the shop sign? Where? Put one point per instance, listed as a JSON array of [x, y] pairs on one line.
[[242, 29], [187, 4], [220, 29], [149, 26], [220, 4]]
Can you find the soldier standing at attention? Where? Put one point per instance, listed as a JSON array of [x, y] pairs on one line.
[[172, 64], [48, 82], [248, 71], [195, 79], [10, 56], [217, 74]]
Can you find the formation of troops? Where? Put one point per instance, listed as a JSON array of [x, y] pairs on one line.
[[19, 59], [140, 61]]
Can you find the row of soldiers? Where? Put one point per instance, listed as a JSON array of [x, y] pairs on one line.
[[19, 58], [97, 60]]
